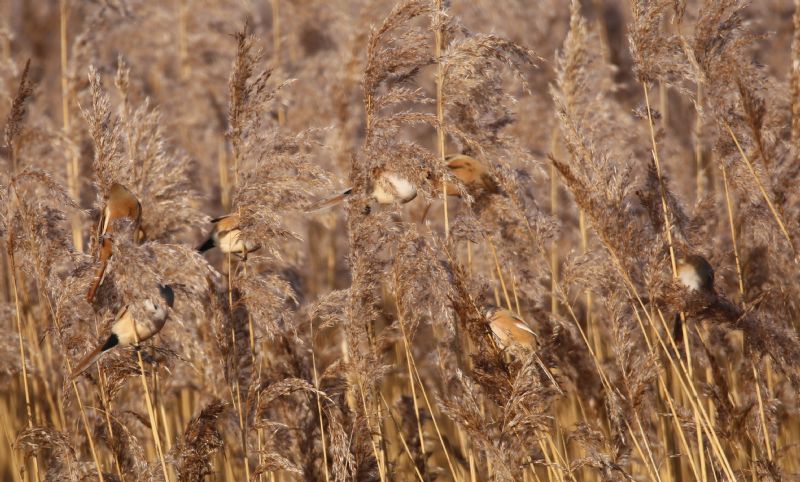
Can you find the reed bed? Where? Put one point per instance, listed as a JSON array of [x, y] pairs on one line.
[[618, 137]]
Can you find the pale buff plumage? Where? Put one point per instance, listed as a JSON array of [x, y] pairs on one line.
[[387, 188], [695, 273], [227, 236], [120, 203], [510, 330], [391, 188], [471, 172], [126, 330]]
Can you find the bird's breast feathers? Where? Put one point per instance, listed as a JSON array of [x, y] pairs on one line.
[[689, 277], [391, 188]]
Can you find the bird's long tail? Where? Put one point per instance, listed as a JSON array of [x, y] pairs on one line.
[[677, 329], [98, 280], [92, 357], [325, 204]]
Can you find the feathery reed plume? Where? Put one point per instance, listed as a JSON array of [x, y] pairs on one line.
[[200, 440], [604, 139]]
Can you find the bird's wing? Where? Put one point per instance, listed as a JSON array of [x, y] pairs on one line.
[[227, 223], [216, 220]]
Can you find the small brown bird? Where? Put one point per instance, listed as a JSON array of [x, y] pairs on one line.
[[471, 172], [695, 274], [127, 331], [388, 188], [227, 236], [120, 203], [510, 330]]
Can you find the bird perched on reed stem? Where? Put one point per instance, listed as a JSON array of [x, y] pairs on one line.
[[512, 333], [387, 188], [471, 172], [227, 236], [695, 274], [129, 331], [510, 330], [120, 203]]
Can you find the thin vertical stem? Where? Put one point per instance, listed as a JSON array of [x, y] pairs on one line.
[[657, 161], [761, 413], [73, 174], [763, 191], [411, 383], [402, 439], [319, 403], [440, 104], [183, 41], [553, 244], [433, 418], [500, 276], [18, 311], [276, 51], [698, 147], [150, 410], [729, 206], [795, 79]]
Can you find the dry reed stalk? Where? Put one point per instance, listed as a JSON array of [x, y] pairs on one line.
[[376, 452], [553, 212], [740, 279], [729, 208], [680, 368], [183, 41], [236, 393], [693, 396], [651, 471], [795, 74], [440, 131], [161, 412], [593, 331], [18, 310], [276, 51], [402, 439], [763, 191], [433, 419], [224, 177], [408, 357], [500, 274], [667, 223], [319, 403], [604, 378], [55, 408], [761, 415], [687, 387], [101, 379], [698, 147], [16, 470], [73, 170], [150, 410]]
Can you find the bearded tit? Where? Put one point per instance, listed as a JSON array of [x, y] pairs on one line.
[[472, 173], [128, 331], [227, 236], [387, 188], [696, 275], [510, 330], [120, 203]]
